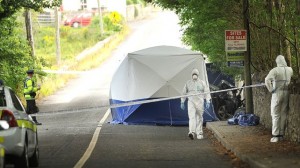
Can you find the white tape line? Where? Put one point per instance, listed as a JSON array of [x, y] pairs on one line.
[[140, 102], [66, 72], [177, 97], [93, 142]]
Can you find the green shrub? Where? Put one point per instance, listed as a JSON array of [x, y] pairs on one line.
[[135, 1], [129, 2], [64, 31], [15, 54], [112, 21]]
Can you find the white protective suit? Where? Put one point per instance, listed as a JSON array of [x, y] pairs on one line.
[[277, 82], [196, 104]]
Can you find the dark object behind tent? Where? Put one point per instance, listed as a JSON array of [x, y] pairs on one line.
[[225, 103]]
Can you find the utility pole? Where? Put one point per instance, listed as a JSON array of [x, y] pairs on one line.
[[57, 36], [248, 91], [100, 18], [29, 32]]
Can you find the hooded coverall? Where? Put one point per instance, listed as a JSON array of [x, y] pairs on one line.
[[277, 82], [195, 103]]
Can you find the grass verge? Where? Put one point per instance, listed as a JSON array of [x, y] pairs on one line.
[[52, 82]]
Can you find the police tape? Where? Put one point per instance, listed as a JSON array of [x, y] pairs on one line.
[[66, 72], [131, 103], [178, 97]]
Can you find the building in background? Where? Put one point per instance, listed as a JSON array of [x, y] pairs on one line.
[[92, 5], [117, 5]]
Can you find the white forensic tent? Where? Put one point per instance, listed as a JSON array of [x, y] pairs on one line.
[[151, 73]]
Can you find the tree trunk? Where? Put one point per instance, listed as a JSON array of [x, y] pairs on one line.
[[29, 33], [248, 91], [271, 24], [298, 7], [100, 17], [285, 45], [297, 50], [288, 53], [57, 36]]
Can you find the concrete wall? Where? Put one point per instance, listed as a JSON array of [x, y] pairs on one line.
[[262, 103], [130, 13], [134, 12]]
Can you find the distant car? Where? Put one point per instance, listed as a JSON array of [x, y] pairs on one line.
[[83, 19], [19, 139]]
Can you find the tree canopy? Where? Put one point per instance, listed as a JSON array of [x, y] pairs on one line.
[[15, 56], [10, 7], [274, 28]]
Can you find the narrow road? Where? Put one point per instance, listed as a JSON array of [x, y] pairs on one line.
[[68, 128]]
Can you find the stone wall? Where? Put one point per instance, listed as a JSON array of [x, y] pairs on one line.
[[293, 128], [262, 103]]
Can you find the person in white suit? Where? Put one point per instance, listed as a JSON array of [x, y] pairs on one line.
[[195, 103], [277, 82]]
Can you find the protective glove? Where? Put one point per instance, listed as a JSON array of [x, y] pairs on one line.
[[182, 106], [207, 105]]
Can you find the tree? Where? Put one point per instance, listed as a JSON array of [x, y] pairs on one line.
[[204, 23], [274, 24], [15, 56], [274, 27], [10, 7]]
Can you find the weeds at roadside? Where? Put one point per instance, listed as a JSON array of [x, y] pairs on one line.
[[221, 150]]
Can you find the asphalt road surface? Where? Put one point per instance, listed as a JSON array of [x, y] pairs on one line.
[[66, 136]]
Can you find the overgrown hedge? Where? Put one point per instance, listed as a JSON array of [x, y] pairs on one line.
[[15, 56]]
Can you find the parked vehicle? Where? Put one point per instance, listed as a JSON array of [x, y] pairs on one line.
[[226, 103], [83, 19], [3, 126], [2, 156], [20, 139]]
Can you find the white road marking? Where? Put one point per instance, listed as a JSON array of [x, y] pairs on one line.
[[93, 142]]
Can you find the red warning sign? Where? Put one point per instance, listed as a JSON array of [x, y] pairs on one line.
[[235, 40]]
